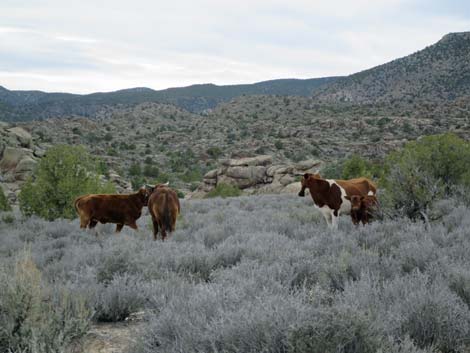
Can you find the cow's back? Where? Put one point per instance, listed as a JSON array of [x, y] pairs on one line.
[[164, 205], [363, 185], [107, 208]]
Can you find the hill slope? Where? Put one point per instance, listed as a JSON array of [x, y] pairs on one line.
[[440, 72], [32, 105]]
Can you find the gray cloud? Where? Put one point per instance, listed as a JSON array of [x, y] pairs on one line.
[[105, 45]]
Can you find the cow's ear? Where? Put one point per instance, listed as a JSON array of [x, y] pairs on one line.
[[306, 176]]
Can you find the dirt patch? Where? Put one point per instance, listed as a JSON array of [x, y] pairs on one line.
[[116, 337]]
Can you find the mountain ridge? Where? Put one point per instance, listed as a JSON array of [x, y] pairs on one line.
[[439, 72], [38, 105]]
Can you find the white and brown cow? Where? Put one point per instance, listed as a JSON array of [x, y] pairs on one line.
[[330, 195]]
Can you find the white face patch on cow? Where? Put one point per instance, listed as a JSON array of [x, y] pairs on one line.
[[370, 193]]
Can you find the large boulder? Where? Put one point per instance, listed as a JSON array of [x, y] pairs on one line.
[[12, 156], [254, 173], [25, 168], [262, 160], [24, 137], [212, 174], [308, 164], [122, 186], [294, 188], [238, 182], [258, 175]]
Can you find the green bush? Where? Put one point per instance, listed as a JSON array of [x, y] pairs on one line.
[[4, 205], [192, 175], [63, 174], [8, 218], [135, 169], [425, 171], [356, 167], [137, 181], [108, 137], [214, 152], [151, 171], [352, 167], [279, 145], [224, 190]]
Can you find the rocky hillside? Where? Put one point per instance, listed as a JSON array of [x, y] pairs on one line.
[[369, 113], [162, 142], [438, 73], [34, 105], [19, 156]]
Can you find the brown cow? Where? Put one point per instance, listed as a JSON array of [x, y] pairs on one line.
[[330, 195], [164, 207], [112, 208], [363, 208]]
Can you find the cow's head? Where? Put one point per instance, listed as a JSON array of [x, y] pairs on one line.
[[356, 201], [303, 183], [145, 192], [162, 185], [369, 202]]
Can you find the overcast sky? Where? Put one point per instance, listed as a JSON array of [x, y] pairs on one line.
[[85, 46]]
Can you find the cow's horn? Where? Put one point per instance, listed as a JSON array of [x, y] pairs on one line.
[[148, 186], [167, 183]]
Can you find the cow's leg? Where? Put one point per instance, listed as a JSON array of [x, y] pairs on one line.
[[334, 219], [155, 229], [119, 227], [365, 219], [133, 225], [163, 231], [84, 222], [327, 215], [92, 225]]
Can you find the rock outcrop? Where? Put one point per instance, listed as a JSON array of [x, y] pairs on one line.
[[17, 159], [259, 175], [122, 186], [19, 156]]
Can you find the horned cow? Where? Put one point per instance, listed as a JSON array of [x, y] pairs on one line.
[[111, 208]]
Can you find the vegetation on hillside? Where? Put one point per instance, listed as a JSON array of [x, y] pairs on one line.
[[65, 173], [31, 105], [427, 170], [4, 205], [224, 190], [435, 74]]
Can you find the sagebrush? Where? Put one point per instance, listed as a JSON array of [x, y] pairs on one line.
[[264, 274]]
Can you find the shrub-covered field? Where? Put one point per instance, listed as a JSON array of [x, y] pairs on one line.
[[247, 274]]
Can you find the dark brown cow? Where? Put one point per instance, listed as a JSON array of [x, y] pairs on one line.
[[330, 195], [164, 207], [111, 208], [363, 208]]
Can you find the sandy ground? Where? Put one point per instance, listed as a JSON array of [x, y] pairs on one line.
[[113, 337]]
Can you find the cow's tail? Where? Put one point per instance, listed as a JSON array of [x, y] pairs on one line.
[[166, 221], [75, 203]]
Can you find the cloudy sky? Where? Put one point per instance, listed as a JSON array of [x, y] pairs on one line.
[[103, 45]]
